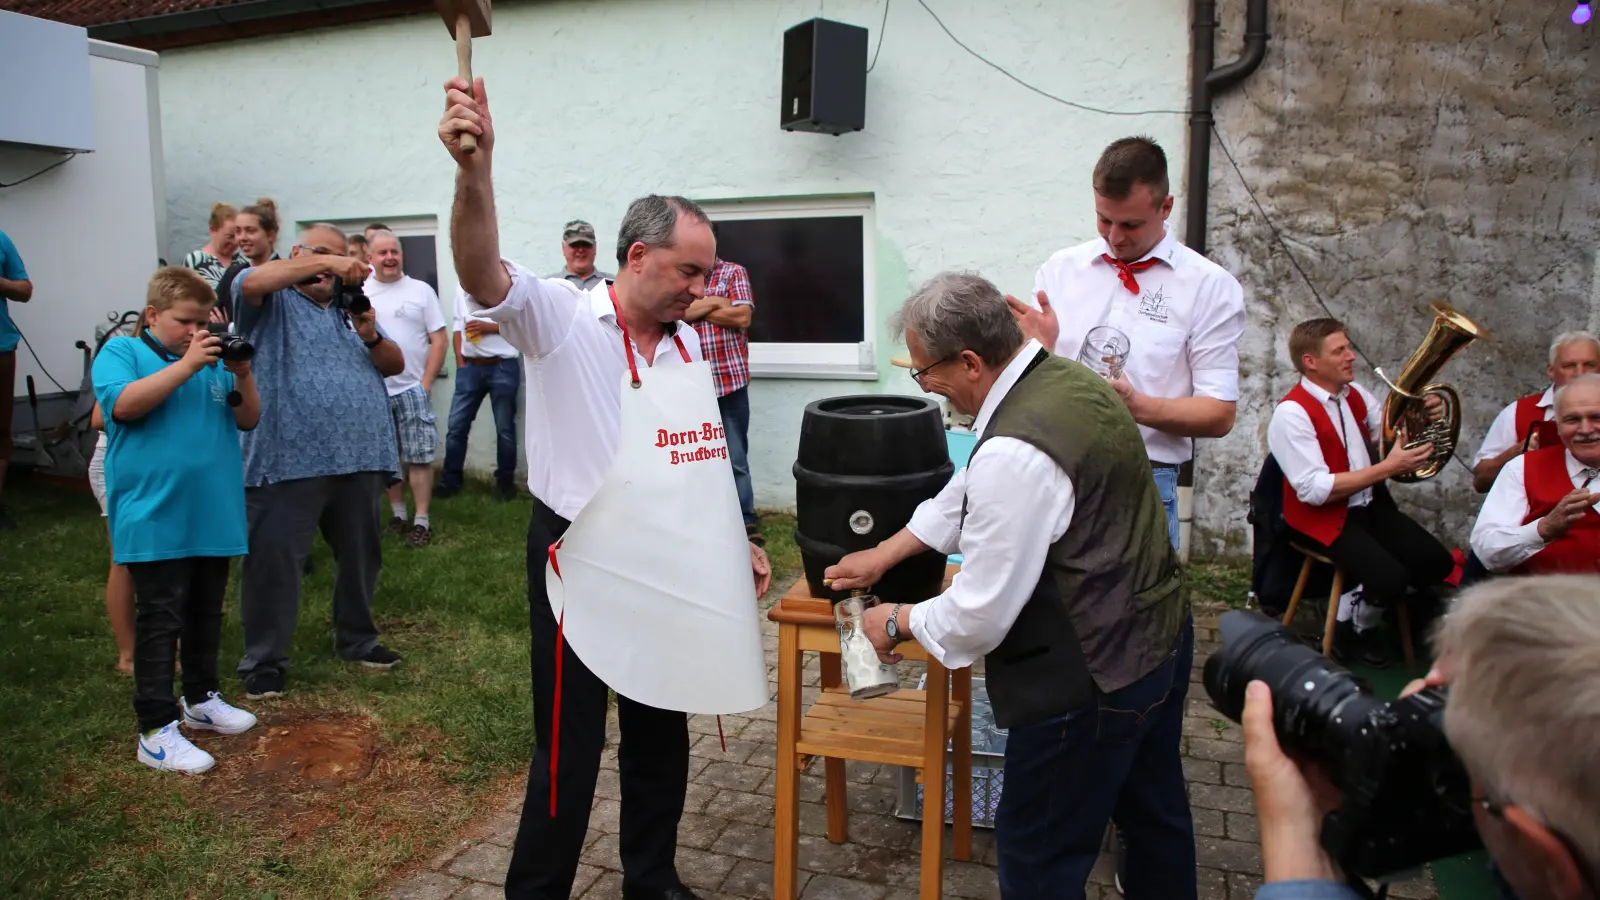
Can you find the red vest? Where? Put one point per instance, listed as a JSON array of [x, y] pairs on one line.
[[1530, 415], [1323, 523], [1544, 475]]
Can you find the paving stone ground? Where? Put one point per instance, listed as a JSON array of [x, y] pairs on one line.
[[725, 843]]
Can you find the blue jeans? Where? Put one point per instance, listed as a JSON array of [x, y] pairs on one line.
[[1167, 484], [1114, 760], [735, 408], [499, 382]]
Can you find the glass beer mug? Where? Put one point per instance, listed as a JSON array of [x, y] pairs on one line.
[[864, 673], [1105, 351]]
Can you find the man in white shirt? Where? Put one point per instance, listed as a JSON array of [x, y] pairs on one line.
[[573, 343], [1335, 500], [1522, 424], [1182, 313], [486, 366], [1070, 592], [1543, 514], [409, 311]]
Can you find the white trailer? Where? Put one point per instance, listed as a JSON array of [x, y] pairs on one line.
[[85, 204]]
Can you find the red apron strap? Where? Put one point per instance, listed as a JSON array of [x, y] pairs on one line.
[[627, 342], [682, 351], [555, 705]]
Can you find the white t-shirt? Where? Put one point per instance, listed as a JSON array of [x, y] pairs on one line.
[[489, 345], [408, 311], [1184, 324]]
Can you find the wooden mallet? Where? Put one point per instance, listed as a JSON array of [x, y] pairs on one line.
[[465, 19]]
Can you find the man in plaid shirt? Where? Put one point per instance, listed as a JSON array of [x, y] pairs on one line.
[[721, 319]]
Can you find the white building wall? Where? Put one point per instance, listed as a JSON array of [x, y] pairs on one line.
[[596, 103]]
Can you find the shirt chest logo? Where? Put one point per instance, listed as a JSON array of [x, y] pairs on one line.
[[1153, 305]]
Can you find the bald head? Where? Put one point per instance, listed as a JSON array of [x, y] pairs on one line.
[[325, 236], [1578, 418]]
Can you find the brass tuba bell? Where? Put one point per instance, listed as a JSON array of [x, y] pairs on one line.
[[1406, 411]]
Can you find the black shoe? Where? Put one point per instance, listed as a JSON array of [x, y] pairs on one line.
[[6, 522], [420, 536], [1351, 647], [505, 492], [266, 684], [397, 527], [678, 893], [753, 534], [447, 490], [1119, 856], [379, 657]]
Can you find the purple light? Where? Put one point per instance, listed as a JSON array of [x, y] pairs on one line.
[[1580, 13]]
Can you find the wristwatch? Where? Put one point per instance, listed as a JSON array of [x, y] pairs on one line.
[[893, 626]]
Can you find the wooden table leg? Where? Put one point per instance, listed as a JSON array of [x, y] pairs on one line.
[[961, 765], [836, 785], [937, 732], [786, 827]]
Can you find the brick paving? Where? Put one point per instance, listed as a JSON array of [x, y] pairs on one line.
[[726, 839]]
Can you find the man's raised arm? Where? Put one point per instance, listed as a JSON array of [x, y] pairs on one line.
[[474, 233], [278, 274]]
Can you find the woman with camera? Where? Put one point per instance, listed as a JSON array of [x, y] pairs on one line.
[[175, 500]]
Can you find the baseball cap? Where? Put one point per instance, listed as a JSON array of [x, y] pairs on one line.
[[578, 232]]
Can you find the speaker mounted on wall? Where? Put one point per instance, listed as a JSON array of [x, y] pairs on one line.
[[824, 77]]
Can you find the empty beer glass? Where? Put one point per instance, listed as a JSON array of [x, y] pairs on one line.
[[1105, 351], [865, 674]]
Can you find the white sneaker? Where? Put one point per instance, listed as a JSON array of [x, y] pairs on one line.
[[216, 715], [168, 750]]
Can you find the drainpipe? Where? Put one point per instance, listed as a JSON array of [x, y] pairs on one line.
[[1205, 83]]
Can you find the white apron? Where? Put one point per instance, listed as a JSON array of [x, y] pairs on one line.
[[651, 584]]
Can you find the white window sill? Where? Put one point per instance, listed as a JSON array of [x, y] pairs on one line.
[[813, 371]]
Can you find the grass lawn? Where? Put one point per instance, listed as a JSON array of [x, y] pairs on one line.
[[349, 776]]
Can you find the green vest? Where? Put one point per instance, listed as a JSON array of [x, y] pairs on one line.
[[1109, 606]]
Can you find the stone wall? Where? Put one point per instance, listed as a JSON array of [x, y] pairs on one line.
[[1407, 150]]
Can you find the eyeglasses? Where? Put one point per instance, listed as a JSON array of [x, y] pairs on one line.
[[916, 374], [1497, 809], [318, 251]]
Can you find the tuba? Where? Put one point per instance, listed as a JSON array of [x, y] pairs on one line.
[[1406, 411]]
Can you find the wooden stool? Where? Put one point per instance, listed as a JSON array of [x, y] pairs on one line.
[[906, 728], [1312, 556]]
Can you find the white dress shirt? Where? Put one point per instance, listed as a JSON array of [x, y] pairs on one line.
[[408, 311], [1293, 443], [574, 360], [488, 345], [1498, 537], [1019, 502], [1184, 324], [1503, 435]]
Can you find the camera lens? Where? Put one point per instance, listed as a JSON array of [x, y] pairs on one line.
[[1314, 700]]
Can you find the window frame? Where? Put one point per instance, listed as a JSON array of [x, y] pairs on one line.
[[781, 359]]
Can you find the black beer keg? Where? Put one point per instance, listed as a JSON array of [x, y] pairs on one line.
[[865, 462]]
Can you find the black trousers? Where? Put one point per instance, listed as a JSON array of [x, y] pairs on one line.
[[653, 759], [172, 599], [1386, 552]]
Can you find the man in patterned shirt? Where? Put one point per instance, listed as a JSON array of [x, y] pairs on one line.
[[722, 319]]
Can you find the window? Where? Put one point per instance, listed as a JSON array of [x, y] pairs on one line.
[[811, 271]]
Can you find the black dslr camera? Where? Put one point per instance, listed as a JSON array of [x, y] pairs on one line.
[[234, 347], [350, 297], [1406, 797]]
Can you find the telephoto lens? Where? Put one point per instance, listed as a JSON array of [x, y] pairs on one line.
[[1405, 798], [351, 297]]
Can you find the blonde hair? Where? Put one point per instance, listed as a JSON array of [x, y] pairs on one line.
[[220, 214], [1523, 655], [265, 210], [172, 284]]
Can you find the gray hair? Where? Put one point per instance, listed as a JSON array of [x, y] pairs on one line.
[[328, 227], [381, 232], [1570, 337], [653, 221], [1523, 657], [1591, 378], [956, 311]]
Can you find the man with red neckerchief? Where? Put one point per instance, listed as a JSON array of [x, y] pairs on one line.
[[1335, 499], [1543, 515]]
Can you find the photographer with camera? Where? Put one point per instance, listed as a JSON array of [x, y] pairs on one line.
[[323, 453], [175, 506], [1505, 754]]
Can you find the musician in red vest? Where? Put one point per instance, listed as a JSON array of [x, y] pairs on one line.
[[1529, 423], [1543, 514], [1335, 499]]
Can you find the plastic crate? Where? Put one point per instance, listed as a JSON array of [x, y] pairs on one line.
[[988, 778]]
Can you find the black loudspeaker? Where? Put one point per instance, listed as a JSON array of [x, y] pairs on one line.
[[824, 77]]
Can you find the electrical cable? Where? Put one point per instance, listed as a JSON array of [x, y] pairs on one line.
[[879, 48], [1040, 91], [60, 162], [40, 364]]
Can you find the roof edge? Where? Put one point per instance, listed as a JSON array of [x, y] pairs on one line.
[[251, 19]]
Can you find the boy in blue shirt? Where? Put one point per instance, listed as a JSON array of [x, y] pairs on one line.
[[14, 285], [175, 500]]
